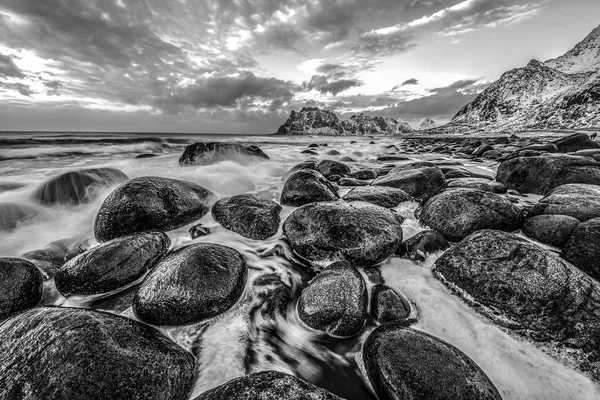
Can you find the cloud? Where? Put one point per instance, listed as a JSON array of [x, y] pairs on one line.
[[17, 87], [411, 81], [8, 68]]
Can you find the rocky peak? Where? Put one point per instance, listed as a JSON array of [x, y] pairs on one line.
[[583, 58], [427, 124]]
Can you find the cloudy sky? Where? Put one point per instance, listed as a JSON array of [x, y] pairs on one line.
[[240, 66]]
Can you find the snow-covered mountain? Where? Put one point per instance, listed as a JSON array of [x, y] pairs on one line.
[[314, 121], [563, 93], [426, 124]]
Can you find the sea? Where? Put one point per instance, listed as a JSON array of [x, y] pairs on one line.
[[519, 369]]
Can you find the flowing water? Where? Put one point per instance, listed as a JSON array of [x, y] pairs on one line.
[[241, 340]]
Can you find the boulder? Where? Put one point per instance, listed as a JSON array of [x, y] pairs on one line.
[[362, 233], [554, 230], [151, 203], [351, 182], [479, 184], [380, 195], [456, 213], [575, 142], [332, 167], [250, 216], [205, 153], [575, 200], [583, 248], [12, 215], [267, 385], [191, 284], [403, 363], [306, 186], [541, 174], [74, 353], [387, 305], [52, 256], [522, 287], [21, 285], [111, 265], [416, 182], [417, 247], [364, 174], [335, 302], [309, 164], [77, 187]]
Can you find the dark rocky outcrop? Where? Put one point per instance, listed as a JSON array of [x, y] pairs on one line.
[[361, 233], [112, 264], [456, 213], [21, 285], [267, 385], [77, 187], [529, 290], [250, 216], [583, 248], [380, 195], [13, 214], [575, 200], [72, 353], [541, 174], [151, 203], [416, 182], [387, 305], [554, 230], [205, 153], [404, 363], [335, 302], [417, 247], [191, 284], [479, 184], [307, 186], [575, 142]]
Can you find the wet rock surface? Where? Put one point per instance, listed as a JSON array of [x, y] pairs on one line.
[[583, 248], [479, 184], [151, 203], [21, 285], [332, 167], [205, 153], [554, 230], [13, 215], [416, 182], [387, 305], [43, 352], [191, 284], [383, 196], [306, 186], [575, 200], [250, 216], [417, 247]]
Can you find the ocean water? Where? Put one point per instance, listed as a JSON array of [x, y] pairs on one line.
[[519, 369]]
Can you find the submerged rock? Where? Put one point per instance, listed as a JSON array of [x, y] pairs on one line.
[[583, 248], [112, 264], [335, 302], [307, 186], [151, 203], [191, 284], [71, 353], [77, 187], [21, 285], [383, 196], [250, 216], [362, 233], [456, 213], [416, 182], [575, 200], [554, 230], [403, 363], [267, 385], [387, 305], [13, 214], [417, 247], [205, 153]]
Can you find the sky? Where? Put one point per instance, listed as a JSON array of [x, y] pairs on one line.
[[241, 66]]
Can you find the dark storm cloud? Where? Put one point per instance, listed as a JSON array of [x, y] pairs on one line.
[[336, 87], [8, 68], [17, 87]]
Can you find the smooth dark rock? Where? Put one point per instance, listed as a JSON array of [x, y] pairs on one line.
[[404, 363], [479, 184], [308, 164], [311, 152], [151, 203], [361, 233], [456, 213], [73, 353], [13, 214], [333, 153], [583, 248], [575, 200], [191, 284], [387, 305], [417, 247], [21, 285], [205, 153], [146, 155], [575, 142], [351, 182], [112, 264], [267, 385], [335, 302], [383, 196], [541, 174], [479, 151], [554, 230], [250, 216], [52, 256], [393, 158], [416, 182], [198, 231], [306, 186], [77, 187], [332, 167], [520, 286], [365, 174]]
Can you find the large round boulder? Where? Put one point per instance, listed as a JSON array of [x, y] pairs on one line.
[[416, 182], [479, 184], [151, 203], [267, 385], [335, 302], [77, 187], [403, 363], [541, 174], [12, 215], [205, 153], [21, 285], [250, 216], [583, 248], [456, 213], [554, 230], [575, 142], [520, 286], [307, 186], [575, 200], [383, 196], [191, 284], [361, 233], [112, 264], [332, 167], [74, 353]]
